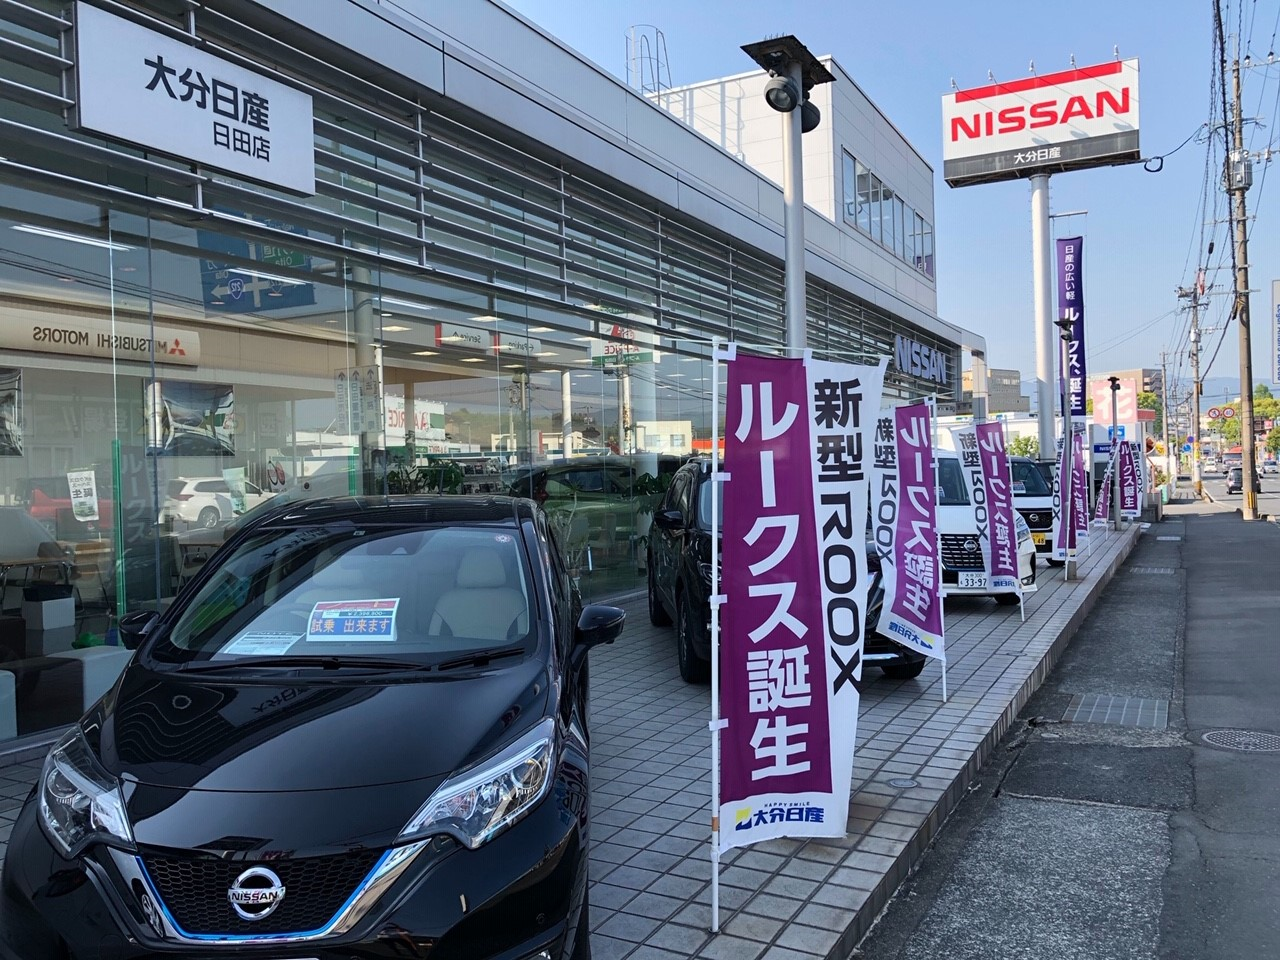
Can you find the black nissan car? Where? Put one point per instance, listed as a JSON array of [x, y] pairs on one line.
[[360, 732], [679, 557]]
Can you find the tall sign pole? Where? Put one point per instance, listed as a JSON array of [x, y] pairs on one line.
[[1030, 128], [1193, 294], [1041, 291]]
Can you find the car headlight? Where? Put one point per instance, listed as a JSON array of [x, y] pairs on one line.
[[478, 804], [1020, 525], [80, 803]]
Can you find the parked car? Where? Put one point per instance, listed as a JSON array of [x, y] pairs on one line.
[[1235, 481], [1270, 466], [680, 581], [206, 501], [48, 501], [361, 729], [1033, 499], [960, 542]]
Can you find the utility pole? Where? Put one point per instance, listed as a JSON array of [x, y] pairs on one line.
[[1169, 461], [1238, 179], [1193, 294]]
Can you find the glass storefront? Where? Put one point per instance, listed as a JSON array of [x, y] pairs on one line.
[[447, 314]]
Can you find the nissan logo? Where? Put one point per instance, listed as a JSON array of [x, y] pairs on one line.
[[970, 546], [256, 893], [1033, 518]]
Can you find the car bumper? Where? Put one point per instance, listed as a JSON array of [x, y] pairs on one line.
[[518, 897]]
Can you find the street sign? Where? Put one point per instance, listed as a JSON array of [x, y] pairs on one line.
[[1214, 413], [1228, 413], [1186, 448], [1111, 435]]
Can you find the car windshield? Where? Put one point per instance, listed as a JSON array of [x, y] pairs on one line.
[[343, 592], [951, 489], [1028, 481]]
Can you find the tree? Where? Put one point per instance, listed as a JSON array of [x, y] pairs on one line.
[[1026, 446], [1273, 441], [1151, 401], [1262, 392]]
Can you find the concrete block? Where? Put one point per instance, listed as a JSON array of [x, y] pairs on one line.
[[100, 666]]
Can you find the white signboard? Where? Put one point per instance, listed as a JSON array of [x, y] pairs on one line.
[[623, 347], [41, 333], [84, 495], [1084, 117], [464, 338], [145, 88]]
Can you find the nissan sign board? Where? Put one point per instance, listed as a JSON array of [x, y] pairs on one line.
[[1086, 117], [927, 363]]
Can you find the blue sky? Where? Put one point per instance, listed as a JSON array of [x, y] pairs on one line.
[[1143, 231]]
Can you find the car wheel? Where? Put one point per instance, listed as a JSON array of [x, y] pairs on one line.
[[209, 518], [693, 669], [658, 615], [582, 942], [903, 671], [1008, 599], [1054, 563]]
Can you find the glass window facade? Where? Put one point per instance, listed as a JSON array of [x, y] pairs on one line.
[[874, 208], [450, 312]]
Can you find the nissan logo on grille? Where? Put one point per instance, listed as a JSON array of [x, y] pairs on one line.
[[971, 546], [256, 893]]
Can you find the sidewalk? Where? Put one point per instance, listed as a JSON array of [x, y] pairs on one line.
[[787, 900]]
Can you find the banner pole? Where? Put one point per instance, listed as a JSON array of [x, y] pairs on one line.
[[716, 724]]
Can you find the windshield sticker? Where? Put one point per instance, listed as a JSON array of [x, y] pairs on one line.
[[1019, 487], [261, 644], [502, 538], [353, 620]]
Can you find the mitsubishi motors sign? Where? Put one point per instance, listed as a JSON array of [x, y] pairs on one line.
[[1086, 117]]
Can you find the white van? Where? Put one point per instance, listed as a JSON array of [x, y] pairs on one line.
[[1033, 499], [959, 540]]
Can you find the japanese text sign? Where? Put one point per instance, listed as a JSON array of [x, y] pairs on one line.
[[353, 620], [905, 529], [1064, 531], [1079, 490], [84, 494], [143, 87], [1001, 542], [797, 453], [1071, 307], [1102, 511], [1130, 483]]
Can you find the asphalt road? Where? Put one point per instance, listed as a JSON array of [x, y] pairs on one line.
[[1268, 500], [1099, 841]]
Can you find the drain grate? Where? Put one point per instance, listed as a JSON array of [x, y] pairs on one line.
[[1248, 741], [1152, 571], [1120, 711]]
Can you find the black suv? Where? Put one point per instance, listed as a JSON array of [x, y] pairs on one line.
[[1235, 480], [680, 581]]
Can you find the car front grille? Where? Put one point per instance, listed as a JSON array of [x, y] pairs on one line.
[[1038, 520], [954, 554], [194, 889]]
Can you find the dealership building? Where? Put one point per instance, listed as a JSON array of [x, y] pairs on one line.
[[342, 243]]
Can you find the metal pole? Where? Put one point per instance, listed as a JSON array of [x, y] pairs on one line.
[[1068, 452], [1041, 282], [1193, 294], [566, 414], [1249, 495], [793, 220], [1169, 460], [1115, 460]]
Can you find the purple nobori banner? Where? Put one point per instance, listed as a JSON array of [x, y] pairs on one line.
[[1079, 490], [1102, 512], [1001, 536], [1130, 481], [1064, 532], [905, 529], [795, 587], [1071, 307]]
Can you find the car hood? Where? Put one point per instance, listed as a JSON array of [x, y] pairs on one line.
[[301, 734]]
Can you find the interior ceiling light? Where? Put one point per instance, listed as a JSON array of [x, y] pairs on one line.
[[270, 277], [472, 360], [395, 328], [426, 353], [404, 303], [485, 319], [539, 329], [72, 237]]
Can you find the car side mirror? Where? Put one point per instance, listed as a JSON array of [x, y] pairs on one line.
[[134, 626], [668, 519], [599, 624]]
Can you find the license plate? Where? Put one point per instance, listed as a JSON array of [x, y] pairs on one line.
[[973, 581], [1038, 539]]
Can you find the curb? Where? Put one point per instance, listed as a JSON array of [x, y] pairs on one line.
[[906, 861]]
